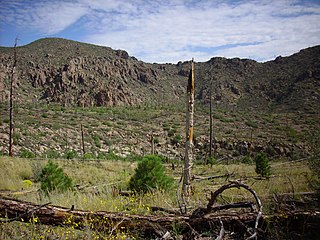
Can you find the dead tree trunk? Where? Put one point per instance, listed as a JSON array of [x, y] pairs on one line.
[[186, 175], [152, 143], [11, 98], [82, 140], [210, 127]]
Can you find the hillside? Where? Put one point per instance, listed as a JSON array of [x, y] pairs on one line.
[[122, 102], [73, 73]]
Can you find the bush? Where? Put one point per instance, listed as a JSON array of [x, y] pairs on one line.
[[52, 154], [70, 154], [176, 139], [26, 154], [262, 164], [149, 175], [88, 156], [53, 178], [212, 161], [247, 160], [96, 139]]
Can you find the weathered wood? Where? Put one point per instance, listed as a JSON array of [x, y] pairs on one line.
[[200, 178], [55, 215], [101, 220], [186, 175]]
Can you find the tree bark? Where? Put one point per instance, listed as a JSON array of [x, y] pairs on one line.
[[186, 184]]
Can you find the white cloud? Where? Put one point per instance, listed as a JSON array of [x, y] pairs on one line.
[[269, 28], [47, 17], [169, 31]]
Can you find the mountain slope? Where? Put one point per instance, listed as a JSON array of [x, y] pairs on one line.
[[73, 73]]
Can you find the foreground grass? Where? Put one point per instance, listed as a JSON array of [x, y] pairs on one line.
[[100, 181]]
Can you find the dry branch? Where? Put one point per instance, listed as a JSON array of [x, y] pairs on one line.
[[200, 178], [15, 210]]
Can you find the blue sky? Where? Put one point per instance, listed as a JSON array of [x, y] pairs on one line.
[[169, 31]]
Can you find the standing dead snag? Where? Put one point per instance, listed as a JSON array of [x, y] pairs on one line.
[[210, 127], [11, 98], [186, 175], [82, 140]]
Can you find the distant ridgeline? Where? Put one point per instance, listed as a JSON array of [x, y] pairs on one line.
[[74, 73]]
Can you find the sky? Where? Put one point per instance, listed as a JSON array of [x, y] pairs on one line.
[[164, 31]]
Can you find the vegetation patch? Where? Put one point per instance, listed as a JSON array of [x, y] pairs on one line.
[[53, 178], [150, 175]]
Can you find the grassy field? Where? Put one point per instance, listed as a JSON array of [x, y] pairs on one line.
[[97, 181]]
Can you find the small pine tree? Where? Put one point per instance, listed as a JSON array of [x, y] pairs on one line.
[[53, 178], [149, 175], [262, 165]]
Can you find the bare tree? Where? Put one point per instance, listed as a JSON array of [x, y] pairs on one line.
[[11, 98], [82, 140], [210, 127], [186, 175]]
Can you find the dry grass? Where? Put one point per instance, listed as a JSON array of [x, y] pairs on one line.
[[98, 180]]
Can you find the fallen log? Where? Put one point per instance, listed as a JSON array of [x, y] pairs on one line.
[[102, 221], [200, 178]]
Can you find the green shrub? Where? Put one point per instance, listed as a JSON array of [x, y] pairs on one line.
[[247, 160], [88, 155], [70, 154], [149, 175], [96, 139], [176, 139], [52, 154], [16, 137], [262, 164], [53, 178], [171, 132], [26, 154], [212, 161], [251, 123], [166, 126]]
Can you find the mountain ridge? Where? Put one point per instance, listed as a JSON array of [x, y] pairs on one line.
[[75, 73], [267, 107]]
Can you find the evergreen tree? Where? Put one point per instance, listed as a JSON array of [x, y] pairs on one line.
[[262, 164], [53, 178], [149, 175]]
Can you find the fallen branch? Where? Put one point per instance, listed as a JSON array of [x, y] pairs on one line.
[[200, 178], [160, 209], [222, 231], [16, 210]]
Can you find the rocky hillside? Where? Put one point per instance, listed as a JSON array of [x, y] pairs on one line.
[[73, 73], [287, 83], [124, 103]]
